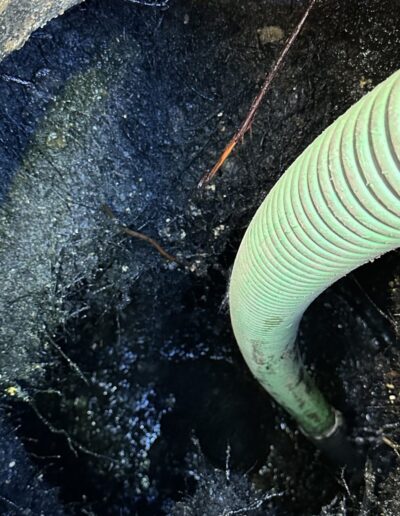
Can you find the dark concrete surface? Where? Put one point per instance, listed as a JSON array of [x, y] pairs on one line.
[[19, 19]]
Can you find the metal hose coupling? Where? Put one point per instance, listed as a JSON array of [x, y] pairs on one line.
[[336, 445]]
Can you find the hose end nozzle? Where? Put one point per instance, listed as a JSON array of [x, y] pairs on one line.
[[336, 445]]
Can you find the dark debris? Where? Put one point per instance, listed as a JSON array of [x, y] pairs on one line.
[[127, 106]]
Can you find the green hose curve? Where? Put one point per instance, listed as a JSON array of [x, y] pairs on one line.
[[335, 208]]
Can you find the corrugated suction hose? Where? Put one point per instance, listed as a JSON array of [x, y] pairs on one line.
[[335, 208]]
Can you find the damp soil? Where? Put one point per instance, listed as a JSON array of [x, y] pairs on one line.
[[122, 390]]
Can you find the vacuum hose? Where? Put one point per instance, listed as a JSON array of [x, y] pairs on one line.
[[335, 208]]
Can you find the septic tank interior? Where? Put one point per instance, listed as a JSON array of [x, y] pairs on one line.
[[122, 388]]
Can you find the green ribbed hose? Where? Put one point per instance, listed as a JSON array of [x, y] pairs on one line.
[[335, 208]]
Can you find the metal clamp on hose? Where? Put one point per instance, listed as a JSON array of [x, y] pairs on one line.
[[336, 445]]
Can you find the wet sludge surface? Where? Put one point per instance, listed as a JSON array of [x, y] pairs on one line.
[[122, 388]]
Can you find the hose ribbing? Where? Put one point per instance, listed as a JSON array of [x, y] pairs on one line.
[[335, 208]]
